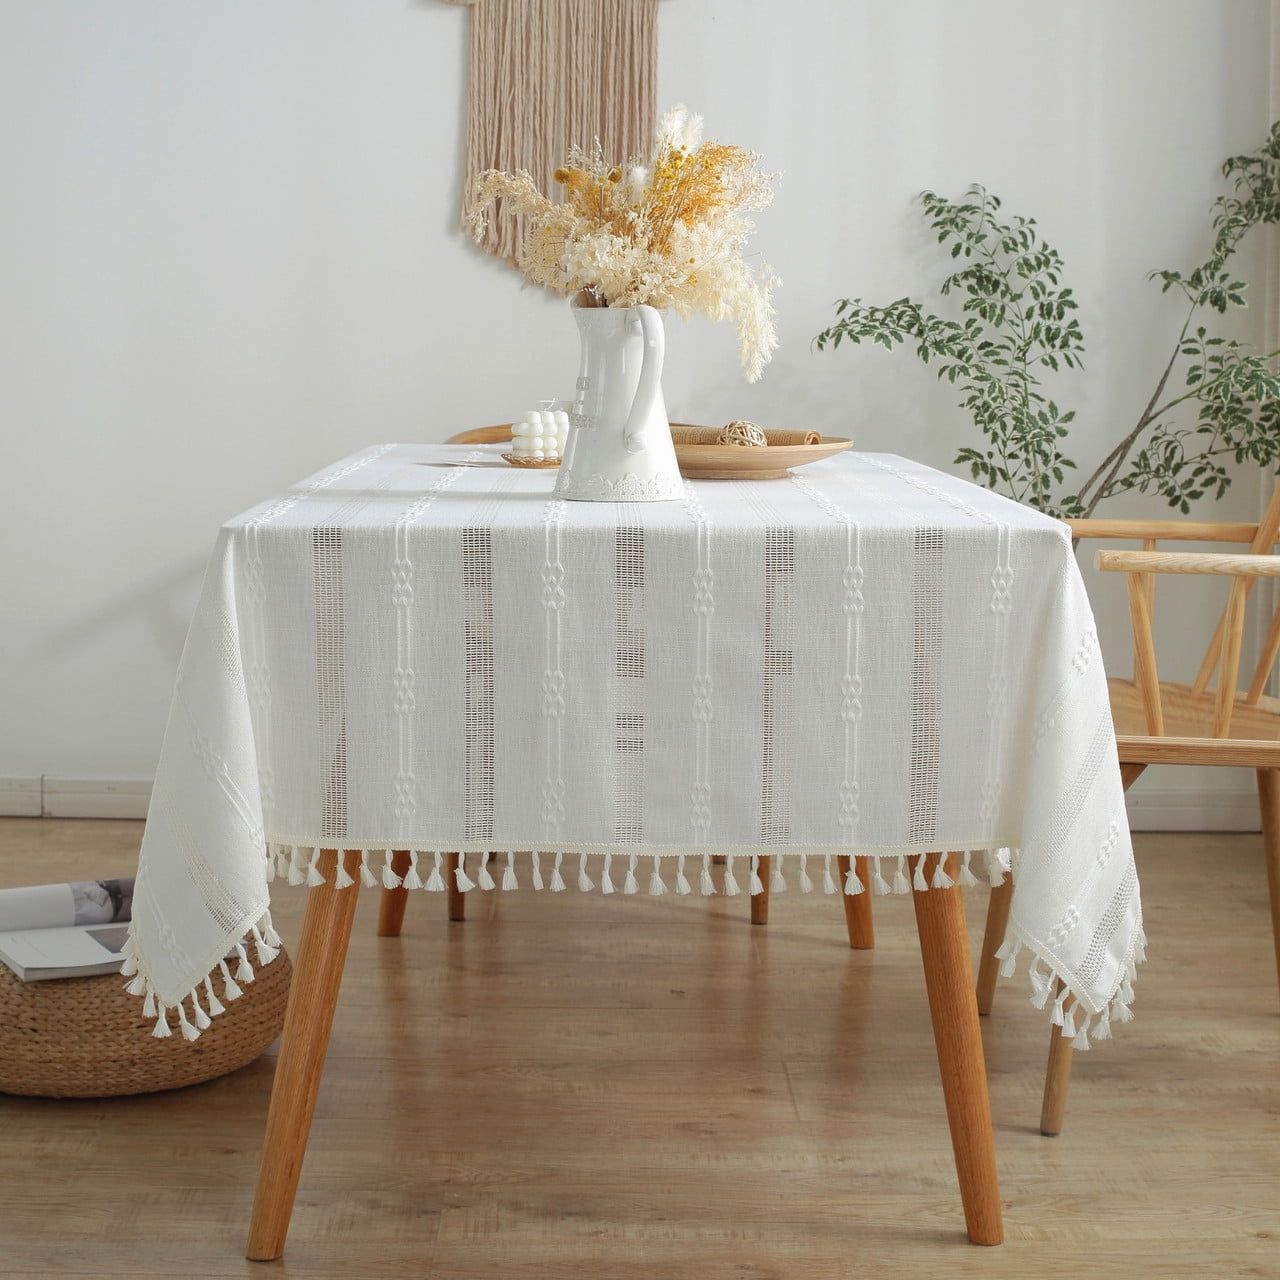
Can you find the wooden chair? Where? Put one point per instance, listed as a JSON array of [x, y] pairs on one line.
[[1160, 722], [391, 908]]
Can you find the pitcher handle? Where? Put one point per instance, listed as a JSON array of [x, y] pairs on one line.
[[650, 382]]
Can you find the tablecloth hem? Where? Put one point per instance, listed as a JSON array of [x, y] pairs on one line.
[[1052, 988]]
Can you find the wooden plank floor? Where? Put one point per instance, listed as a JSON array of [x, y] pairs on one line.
[[627, 1087]]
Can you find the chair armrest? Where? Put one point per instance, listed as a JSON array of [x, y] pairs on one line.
[[1163, 530], [1246, 565]]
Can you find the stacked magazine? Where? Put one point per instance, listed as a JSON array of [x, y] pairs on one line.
[[65, 930]]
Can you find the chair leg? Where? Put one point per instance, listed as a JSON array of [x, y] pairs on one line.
[[317, 975], [992, 938], [948, 975], [1057, 1076], [1269, 802], [457, 899], [857, 908], [760, 901], [393, 901]]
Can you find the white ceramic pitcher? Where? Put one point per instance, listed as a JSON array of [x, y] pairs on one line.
[[619, 447]]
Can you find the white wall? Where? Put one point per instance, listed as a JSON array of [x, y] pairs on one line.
[[229, 255]]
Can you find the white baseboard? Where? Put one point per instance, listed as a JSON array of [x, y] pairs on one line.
[[20, 797], [1194, 810], [55, 796]]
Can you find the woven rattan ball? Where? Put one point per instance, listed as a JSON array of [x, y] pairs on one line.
[[88, 1038], [742, 432]]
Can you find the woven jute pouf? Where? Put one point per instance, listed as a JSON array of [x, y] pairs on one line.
[[88, 1038]]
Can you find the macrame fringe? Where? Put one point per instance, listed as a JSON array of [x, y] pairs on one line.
[[543, 75], [196, 1020], [299, 864]]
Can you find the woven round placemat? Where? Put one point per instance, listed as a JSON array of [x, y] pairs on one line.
[[88, 1038]]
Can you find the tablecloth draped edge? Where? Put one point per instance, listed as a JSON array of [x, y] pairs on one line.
[[298, 865]]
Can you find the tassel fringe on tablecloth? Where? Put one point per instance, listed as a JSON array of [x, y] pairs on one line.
[[299, 865]]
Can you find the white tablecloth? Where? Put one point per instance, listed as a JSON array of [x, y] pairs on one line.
[[421, 649]]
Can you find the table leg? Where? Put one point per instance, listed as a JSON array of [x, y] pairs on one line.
[[317, 975], [393, 901], [857, 908], [948, 975], [992, 940], [1057, 1076], [760, 901], [457, 899]]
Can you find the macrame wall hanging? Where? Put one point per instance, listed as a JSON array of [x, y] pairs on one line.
[[546, 74]]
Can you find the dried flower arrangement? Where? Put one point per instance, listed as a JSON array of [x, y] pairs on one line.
[[672, 233]]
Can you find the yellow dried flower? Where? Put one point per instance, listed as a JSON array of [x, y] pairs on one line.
[[634, 233]]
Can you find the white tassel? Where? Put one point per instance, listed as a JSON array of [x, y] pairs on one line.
[[1081, 1042], [366, 876], [606, 880], [1069, 1022], [389, 878], [412, 879], [1058, 1015], [435, 880], [483, 878], [161, 1030], [313, 871], [1103, 1030], [509, 881], [1041, 980], [776, 883], [202, 1019], [537, 870], [1008, 957], [269, 934], [130, 965], [272, 860], [966, 879], [136, 986], [878, 882], [1140, 950], [1126, 991], [828, 880], [230, 987], [941, 880], [852, 885], [629, 884], [995, 871], [244, 971], [265, 952], [149, 1004], [806, 885], [342, 877], [585, 884], [557, 880], [297, 875], [682, 882], [918, 882], [757, 885], [730, 880], [708, 885], [656, 887], [1120, 1012], [900, 884], [283, 854], [188, 1031], [215, 1005], [460, 878]]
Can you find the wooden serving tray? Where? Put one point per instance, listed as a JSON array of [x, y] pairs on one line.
[[738, 462]]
